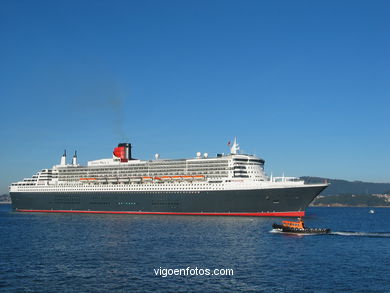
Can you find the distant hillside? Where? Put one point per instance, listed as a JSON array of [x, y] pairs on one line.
[[352, 200], [350, 187], [5, 198]]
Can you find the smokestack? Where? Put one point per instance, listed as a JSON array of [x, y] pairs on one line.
[[123, 151]]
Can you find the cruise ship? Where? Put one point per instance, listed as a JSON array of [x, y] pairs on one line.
[[232, 184]]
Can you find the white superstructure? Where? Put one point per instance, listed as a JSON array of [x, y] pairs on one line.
[[121, 173]]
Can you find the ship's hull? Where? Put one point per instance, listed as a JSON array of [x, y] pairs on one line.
[[257, 202]]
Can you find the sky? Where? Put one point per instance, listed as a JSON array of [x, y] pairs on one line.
[[301, 84]]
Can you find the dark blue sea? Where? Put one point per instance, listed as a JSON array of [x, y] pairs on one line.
[[99, 253]]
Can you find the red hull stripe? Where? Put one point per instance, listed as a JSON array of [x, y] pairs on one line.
[[266, 214]]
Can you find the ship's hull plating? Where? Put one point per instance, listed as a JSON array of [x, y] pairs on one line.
[[258, 202]]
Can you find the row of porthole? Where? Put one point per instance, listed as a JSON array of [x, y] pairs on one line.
[[143, 192], [138, 188], [155, 167], [157, 186], [123, 189]]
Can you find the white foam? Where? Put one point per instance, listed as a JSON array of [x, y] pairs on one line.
[[361, 234]]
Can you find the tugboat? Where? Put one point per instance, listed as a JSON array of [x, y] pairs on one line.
[[298, 227]]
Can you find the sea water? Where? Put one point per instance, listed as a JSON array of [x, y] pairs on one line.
[[48, 252]]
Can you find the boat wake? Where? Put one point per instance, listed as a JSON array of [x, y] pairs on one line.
[[340, 233], [361, 234]]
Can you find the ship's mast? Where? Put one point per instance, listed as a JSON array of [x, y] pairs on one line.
[[74, 159], [63, 159]]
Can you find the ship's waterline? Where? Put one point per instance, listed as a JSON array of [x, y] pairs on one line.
[[233, 184]]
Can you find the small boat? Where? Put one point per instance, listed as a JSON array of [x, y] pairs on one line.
[[298, 227], [371, 211]]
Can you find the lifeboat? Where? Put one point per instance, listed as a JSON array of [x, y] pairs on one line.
[[298, 227]]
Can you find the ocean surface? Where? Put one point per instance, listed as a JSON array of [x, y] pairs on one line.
[[99, 253]]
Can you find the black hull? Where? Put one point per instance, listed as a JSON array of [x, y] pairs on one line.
[[283, 202]]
